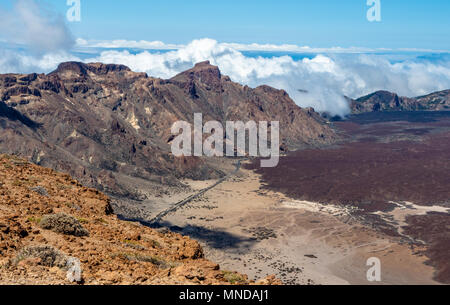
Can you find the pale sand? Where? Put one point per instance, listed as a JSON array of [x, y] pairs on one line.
[[310, 244], [397, 217]]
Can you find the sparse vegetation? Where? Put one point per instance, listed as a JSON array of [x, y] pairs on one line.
[[32, 255], [63, 187], [101, 220], [133, 244], [48, 256], [83, 220], [35, 220], [64, 224], [233, 278], [40, 190]]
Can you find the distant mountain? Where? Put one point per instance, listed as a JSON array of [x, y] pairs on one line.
[[108, 126], [387, 101]]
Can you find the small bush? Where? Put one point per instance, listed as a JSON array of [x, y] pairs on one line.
[[134, 245], [233, 277], [34, 219], [40, 190], [49, 256], [64, 224]]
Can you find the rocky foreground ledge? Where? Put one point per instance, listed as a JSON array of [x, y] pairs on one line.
[[47, 219]]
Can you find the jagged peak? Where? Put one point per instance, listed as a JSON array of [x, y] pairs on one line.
[[202, 71], [204, 64], [433, 94], [73, 66], [379, 94], [82, 68], [99, 68]]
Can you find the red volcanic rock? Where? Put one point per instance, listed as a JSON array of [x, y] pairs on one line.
[[114, 252]]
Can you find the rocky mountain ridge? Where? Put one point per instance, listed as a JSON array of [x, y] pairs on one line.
[[110, 127], [388, 101]]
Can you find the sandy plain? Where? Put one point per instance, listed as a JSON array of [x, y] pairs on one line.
[[261, 232]]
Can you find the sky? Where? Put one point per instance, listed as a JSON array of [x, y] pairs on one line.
[[327, 48], [315, 23]]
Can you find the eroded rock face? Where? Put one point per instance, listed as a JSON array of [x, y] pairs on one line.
[[101, 123], [388, 101], [115, 252]]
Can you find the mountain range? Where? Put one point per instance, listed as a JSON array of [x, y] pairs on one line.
[[388, 101], [108, 126]]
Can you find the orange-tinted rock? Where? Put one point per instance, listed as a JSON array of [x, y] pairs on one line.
[[115, 252]]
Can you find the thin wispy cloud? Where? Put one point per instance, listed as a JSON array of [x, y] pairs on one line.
[[130, 44], [291, 48]]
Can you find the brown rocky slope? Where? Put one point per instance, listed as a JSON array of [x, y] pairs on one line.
[[47, 217], [106, 125]]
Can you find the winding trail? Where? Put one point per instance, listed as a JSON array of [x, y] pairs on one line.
[[185, 201]]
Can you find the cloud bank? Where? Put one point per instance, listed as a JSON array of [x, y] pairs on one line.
[[318, 81], [326, 78], [16, 61]]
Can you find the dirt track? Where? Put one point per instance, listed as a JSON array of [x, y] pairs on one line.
[[196, 195]]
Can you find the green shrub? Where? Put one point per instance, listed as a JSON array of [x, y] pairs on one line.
[[233, 277]]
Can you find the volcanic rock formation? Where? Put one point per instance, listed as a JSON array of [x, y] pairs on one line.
[[105, 124], [387, 101]]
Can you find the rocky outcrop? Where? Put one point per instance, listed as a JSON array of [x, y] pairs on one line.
[[435, 101], [110, 127], [388, 101], [114, 251]]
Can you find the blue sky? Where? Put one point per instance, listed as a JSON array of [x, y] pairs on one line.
[[316, 23]]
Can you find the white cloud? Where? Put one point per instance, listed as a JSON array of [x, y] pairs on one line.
[[291, 48], [131, 44], [12, 61], [30, 24], [327, 78]]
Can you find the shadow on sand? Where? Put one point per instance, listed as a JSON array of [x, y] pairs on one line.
[[213, 238]]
